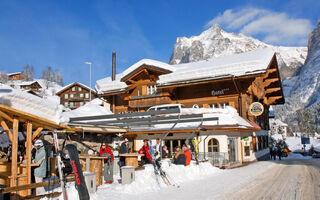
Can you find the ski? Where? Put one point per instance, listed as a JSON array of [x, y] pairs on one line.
[[76, 167], [60, 165]]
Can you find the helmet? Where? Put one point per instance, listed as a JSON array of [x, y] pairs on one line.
[[38, 143]]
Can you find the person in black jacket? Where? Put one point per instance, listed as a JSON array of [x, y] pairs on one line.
[[179, 158], [165, 152], [123, 150]]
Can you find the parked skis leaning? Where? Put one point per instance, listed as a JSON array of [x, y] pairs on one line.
[[159, 172]]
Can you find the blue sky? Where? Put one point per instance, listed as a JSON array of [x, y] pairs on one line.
[[64, 34]]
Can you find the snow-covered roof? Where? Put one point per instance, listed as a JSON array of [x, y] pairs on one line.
[[252, 62], [69, 85], [27, 83], [92, 108], [106, 85], [14, 73], [29, 103]]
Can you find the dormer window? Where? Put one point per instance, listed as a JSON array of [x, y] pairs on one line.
[[152, 89]]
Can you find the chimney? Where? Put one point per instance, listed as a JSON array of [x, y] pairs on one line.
[[113, 66]]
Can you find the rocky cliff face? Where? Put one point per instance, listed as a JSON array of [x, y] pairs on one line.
[[216, 42], [303, 90]]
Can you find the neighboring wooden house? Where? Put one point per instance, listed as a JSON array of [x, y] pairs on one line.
[[75, 95], [30, 85], [16, 76], [236, 80]]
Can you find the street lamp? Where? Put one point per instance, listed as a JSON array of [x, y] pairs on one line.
[[89, 63]]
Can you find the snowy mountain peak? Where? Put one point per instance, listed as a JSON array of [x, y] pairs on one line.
[[216, 42]]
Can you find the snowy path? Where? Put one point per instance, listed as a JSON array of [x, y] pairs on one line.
[[288, 179]]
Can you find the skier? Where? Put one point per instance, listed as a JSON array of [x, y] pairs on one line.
[[41, 170], [187, 154], [108, 163], [146, 158], [179, 158]]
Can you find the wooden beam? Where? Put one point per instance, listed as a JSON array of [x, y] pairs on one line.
[[14, 156], [267, 82], [6, 128], [272, 100], [36, 133], [28, 153], [270, 90], [270, 71], [5, 116]]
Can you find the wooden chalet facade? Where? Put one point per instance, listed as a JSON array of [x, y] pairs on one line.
[[16, 76], [30, 85], [235, 81], [75, 95]]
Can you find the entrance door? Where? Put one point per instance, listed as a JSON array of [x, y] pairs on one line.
[[232, 149]]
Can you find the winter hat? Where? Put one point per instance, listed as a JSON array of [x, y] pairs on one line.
[[38, 143], [126, 140]]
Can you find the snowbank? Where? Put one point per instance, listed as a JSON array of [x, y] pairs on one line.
[[294, 144], [145, 181]]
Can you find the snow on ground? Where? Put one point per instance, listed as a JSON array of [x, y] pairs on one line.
[[201, 181], [295, 145]]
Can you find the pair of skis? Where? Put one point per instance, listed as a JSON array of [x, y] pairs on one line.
[[158, 171], [76, 168]]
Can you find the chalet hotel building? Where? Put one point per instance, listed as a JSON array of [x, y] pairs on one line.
[[233, 82]]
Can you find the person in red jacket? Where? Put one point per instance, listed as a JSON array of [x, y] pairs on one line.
[[187, 154], [146, 158], [108, 163]]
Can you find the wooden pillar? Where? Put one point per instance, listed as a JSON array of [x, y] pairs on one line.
[[179, 143], [28, 153], [171, 146], [14, 156]]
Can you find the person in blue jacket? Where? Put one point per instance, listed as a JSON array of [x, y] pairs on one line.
[[40, 172]]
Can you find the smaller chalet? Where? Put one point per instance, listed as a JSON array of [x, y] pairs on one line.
[[75, 95], [16, 76], [30, 85]]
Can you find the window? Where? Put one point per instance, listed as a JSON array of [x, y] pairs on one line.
[[87, 95], [72, 104], [66, 96], [152, 89], [213, 145], [66, 104], [81, 103], [223, 105], [73, 88], [79, 88], [71, 96], [81, 95], [214, 105]]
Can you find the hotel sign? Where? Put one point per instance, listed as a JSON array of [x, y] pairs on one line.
[[219, 92], [256, 109]]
